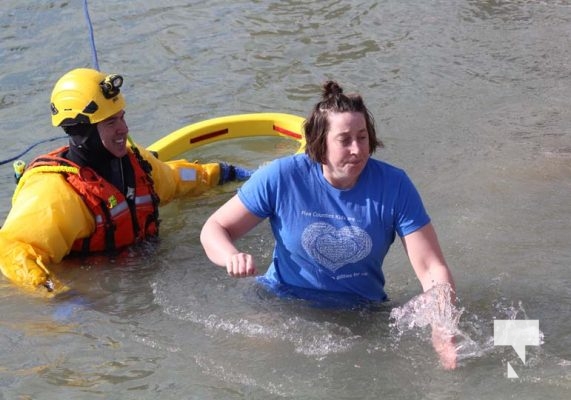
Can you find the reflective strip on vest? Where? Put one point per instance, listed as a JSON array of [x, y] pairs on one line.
[[118, 209], [144, 199], [124, 206]]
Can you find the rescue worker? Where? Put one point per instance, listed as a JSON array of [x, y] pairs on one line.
[[101, 192]]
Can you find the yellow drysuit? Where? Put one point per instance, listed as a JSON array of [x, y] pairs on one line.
[[47, 216]]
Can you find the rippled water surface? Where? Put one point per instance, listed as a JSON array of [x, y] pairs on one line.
[[470, 97]]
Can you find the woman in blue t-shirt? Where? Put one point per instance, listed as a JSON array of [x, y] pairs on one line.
[[334, 212]]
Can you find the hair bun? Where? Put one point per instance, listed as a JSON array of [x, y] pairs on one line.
[[331, 89]]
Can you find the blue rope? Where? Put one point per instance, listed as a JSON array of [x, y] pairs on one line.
[[91, 36], [95, 65], [30, 148]]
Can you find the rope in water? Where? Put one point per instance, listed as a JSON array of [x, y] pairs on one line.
[[30, 148], [91, 36], [95, 65]]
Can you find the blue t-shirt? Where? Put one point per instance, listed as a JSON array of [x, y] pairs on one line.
[[328, 239]]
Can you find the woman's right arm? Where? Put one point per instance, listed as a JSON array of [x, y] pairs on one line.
[[226, 225]]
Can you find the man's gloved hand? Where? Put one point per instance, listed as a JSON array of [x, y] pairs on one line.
[[229, 173]]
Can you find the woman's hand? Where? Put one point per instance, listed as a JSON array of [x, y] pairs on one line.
[[240, 265], [445, 346]]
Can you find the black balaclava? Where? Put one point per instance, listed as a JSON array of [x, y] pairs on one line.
[[86, 149]]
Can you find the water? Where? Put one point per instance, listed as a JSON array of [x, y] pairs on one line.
[[470, 97]]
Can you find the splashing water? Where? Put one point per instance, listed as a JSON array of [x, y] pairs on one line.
[[473, 335], [309, 338], [433, 307]]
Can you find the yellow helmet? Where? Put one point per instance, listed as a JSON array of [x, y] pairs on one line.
[[86, 96]]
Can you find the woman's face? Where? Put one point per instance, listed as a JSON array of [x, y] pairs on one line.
[[347, 149], [113, 133]]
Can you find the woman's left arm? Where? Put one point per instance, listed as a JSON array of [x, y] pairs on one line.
[[428, 262]]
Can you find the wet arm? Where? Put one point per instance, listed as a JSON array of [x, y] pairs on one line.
[[425, 255], [229, 223]]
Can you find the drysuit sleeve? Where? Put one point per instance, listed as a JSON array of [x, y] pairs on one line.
[[46, 217], [178, 178]]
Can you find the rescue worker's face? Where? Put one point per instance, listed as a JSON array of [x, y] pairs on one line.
[[113, 133]]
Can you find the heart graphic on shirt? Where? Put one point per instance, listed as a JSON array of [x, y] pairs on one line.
[[334, 248]]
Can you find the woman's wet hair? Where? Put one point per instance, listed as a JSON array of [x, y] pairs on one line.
[[316, 126]]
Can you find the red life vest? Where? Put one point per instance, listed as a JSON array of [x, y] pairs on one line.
[[119, 221]]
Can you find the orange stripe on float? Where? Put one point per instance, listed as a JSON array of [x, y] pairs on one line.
[[286, 132], [209, 135]]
